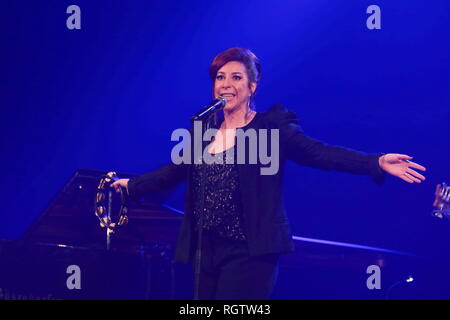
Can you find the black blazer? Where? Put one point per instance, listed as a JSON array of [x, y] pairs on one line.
[[264, 217]]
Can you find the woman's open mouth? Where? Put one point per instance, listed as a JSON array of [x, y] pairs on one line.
[[228, 96]]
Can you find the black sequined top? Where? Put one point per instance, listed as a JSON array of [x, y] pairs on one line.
[[222, 210]]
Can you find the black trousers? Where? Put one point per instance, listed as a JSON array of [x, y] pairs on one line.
[[228, 272]]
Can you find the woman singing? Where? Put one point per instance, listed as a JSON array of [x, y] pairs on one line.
[[238, 211]]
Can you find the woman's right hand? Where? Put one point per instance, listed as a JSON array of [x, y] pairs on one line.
[[120, 183]]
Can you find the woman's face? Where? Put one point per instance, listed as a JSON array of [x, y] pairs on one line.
[[232, 83]]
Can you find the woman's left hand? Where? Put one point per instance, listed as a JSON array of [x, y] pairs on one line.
[[399, 165]]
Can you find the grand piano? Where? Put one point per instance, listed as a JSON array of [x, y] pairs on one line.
[[139, 263]]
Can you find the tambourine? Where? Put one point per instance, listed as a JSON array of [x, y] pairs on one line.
[[110, 207]]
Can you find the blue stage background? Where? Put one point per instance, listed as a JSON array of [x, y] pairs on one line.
[[109, 95]]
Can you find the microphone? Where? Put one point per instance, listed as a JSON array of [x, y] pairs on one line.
[[217, 104]]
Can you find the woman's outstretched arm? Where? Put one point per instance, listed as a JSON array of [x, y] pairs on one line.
[[311, 152], [161, 179]]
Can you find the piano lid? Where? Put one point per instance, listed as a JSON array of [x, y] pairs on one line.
[[69, 219]]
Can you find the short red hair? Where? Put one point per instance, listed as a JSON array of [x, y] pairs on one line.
[[246, 57]]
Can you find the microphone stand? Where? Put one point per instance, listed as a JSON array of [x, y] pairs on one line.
[[198, 253]]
